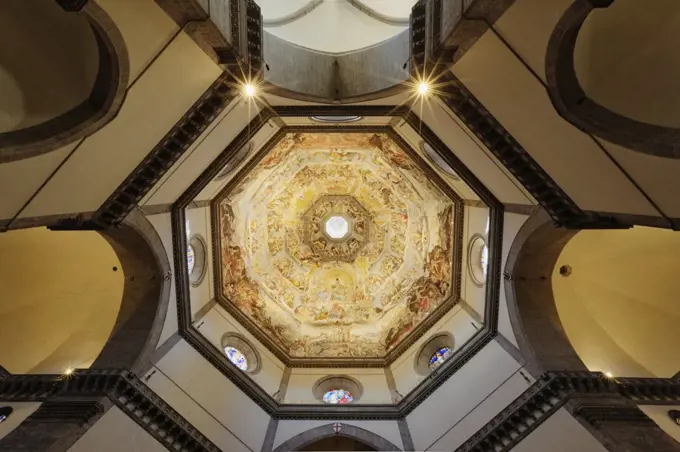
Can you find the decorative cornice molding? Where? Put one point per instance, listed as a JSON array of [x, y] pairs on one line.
[[241, 380], [554, 389], [78, 398], [419, 331]]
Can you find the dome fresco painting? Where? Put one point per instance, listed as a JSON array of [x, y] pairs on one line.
[[355, 295]]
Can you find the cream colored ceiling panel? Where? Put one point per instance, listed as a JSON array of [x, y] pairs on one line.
[[202, 153], [520, 103], [527, 26], [145, 28], [152, 107], [416, 142], [21, 179], [115, 431], [241, 158], [473, 154], [658, 177], [198, 379]]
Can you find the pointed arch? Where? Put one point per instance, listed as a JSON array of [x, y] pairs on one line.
[[313, 435]]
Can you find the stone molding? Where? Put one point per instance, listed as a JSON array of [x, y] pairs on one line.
[[84, 395], [327, 431], [610, 400], [421, 329], [97, 110], [574, 105], [360, 411]]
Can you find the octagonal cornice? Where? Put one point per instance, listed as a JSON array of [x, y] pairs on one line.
[[300, 411], [456, 258]]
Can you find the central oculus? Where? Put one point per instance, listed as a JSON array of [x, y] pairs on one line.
[[337, 227]]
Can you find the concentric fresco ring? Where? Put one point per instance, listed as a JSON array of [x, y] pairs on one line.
[[317, 293]]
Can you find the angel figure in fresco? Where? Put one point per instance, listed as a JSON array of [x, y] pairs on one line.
[[437, 267], [338, 290]]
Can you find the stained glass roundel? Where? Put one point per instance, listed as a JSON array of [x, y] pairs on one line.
[[191, 258], [236, 357], [439, 357], [338, 396]]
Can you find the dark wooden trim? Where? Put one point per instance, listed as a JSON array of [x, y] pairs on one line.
[[156, 209]]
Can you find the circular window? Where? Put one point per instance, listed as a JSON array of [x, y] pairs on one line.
[[191, 258], [234, 161], [5, 411], [338, 396], [236, 357], [478, 259], [439, 357], [438, 161], [241, 353], [336, 119], [337, 227], [338, 390], [434, 353], [196, 260]]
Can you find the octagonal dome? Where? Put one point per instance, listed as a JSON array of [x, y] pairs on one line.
[[336, 244]]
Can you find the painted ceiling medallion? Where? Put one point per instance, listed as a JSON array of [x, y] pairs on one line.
[[336, 245], [336, 228]]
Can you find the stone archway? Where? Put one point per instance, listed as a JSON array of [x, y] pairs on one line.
[[311, 436], [100, 107], [135, 334], [574, 105]]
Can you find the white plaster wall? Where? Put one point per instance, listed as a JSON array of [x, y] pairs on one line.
[[462, 142], [207, 399], [487, 409], [203, 151], [116, 432], [145, 28], [328, 29], [302, 382], [198, 222], [560, 433], [476, 219], [258, 140], [386, 429], [21, 411], [460, 394], [457, 322], [163, 225], [659, 414], [217, 322]]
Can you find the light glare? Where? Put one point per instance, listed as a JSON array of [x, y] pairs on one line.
[[68, 371], [608, 375], [423, 88], [249, 90]]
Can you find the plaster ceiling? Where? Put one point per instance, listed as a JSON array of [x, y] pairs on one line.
[[314, 289]]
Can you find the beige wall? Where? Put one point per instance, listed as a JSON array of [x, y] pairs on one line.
[[626, 59], [208, 400], [217, 322], [373, 381], [48, 62], [456, 402], [560, 433], [21, 411], [60, 299], [619, 307], [386, 429], [116, 432]]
